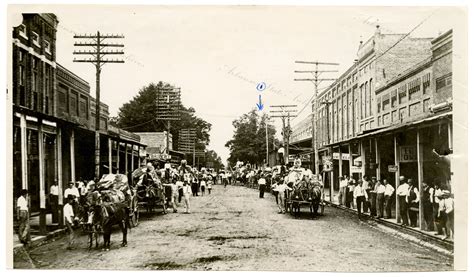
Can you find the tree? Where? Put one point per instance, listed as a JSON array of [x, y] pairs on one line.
[[248, 143], [213, 160], [139, 115]]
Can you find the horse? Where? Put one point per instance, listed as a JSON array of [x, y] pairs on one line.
[[315, 199], [84, 214], [105, 215]]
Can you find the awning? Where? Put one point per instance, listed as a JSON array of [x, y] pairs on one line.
[[394, 128]]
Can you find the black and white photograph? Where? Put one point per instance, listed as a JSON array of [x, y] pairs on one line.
[[247, 137]]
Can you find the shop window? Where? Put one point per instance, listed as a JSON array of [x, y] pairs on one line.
[[403, 114], [379, 104], [73, 104], [426, 105], [394, 116]]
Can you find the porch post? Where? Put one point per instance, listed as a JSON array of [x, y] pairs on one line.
[[377, 158], [42, 191], [351, 160], [126, 158], [397, 179], [362, 154], [133, 158], [24, 154], [60, 174], [419, 148], [331, 193], [109, 144], [118, 156], [73, 157], [340, 161]]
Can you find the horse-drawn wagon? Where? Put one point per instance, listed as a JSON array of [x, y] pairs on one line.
[[304, 193], [149, 191]]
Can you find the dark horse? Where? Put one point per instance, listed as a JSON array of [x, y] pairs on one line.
[[315, 199], [106, 215]]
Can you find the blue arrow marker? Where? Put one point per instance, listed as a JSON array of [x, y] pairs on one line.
[[260, 104]]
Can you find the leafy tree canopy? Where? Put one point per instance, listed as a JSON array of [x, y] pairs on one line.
[[139, 115], [249, 143]]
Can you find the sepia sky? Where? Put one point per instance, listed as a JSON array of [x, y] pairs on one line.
[[216, 53]]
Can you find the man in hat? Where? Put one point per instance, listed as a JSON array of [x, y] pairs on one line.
[[69, 219], [23, 217]]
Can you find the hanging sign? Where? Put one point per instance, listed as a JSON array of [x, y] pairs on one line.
[[392, 168], [407, 154], [327, 163]]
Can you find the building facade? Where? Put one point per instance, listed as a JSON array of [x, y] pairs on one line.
[[53, 121], [390, 114]]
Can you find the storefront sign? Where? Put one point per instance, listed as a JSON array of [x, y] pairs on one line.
[[392, 168], [356, 169], [327, 163], [407, 154], [345, 156]]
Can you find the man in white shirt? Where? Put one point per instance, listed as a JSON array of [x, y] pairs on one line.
[[389, 190], [175, 186], [360, 195], [261, 184], [69, 219], [280, 187], [342, 190], [23, 217], [380, 191], [54, 200], [71, 190], [402, 193]]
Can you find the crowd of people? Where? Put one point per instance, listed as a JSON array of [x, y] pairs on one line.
[[377, 198]]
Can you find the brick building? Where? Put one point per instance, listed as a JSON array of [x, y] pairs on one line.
[[390, 114], [53, 121]]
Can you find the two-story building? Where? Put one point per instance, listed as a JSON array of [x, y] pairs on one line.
[[390, 114], [53, 121]]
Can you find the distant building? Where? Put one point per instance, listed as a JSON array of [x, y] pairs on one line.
[[156, 144]]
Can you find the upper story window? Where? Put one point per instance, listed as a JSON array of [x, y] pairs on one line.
[[35, 38], [47, 47], [444, 81], [426, 82], [22, 31]]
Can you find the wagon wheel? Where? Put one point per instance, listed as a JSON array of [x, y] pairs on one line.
[[134, 212]]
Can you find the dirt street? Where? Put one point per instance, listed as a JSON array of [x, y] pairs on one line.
[[232, 229]]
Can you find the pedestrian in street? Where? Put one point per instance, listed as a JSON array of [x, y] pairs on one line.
[[380, 192], [360, 195], [203, 186], [187, 191], [389, 190], [427, 206], [175, 185], [342, 190], [23, 217], [413, 199], [54, 201], [210, 182], [280, 188], [402, 193], [350, 193], [261, 185], [68, 213]]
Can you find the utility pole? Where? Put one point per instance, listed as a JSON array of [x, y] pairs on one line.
[[187, 142], [316, 81], [285, 113], [99, 50], [168, 108]]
